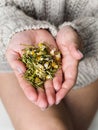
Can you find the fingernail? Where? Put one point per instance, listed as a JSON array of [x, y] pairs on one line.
[[80, 53], [43, 109], [30, 98], [57, 89], [19, 70], [57, 102]]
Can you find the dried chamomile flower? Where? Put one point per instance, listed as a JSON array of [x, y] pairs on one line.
[[41, 63]]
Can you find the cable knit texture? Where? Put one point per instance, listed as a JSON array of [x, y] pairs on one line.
[[82, 15]]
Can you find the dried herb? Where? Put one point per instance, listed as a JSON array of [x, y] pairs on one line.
[[41, 62]]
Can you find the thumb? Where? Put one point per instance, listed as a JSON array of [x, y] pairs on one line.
[[76, 53], [13, 59]]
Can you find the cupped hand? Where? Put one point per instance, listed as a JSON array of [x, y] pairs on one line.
[[42, 98], [69, 44]]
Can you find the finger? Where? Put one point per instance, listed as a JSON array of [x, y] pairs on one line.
[[70, 73], [42, 99], [19, 69], [57, 80], [28, 89], [50, 92], [76, 53], [67, 85]]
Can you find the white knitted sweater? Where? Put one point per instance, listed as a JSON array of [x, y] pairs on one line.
[[20, 15]]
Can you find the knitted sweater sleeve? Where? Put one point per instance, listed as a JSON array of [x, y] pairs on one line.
[[87, 28], [13, 20]]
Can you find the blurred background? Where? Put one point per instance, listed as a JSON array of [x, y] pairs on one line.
[[5, 123]]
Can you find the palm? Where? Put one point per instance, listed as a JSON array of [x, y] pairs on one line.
[[68, 43], [14, 52], [69, 67]]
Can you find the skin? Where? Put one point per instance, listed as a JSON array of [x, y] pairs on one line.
[[40, 97], [73, 113], [24, 114], [69, 44], [70, 114], [55, 90], [82, 105]]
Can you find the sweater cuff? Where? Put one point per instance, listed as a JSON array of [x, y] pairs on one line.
[[33, 24], [4, 66], [17, 21], [68, 24]]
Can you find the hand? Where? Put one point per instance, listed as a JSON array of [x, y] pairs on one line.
[[42, 98], [68, 42]]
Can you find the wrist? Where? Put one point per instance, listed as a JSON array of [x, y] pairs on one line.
[[68, 35]]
